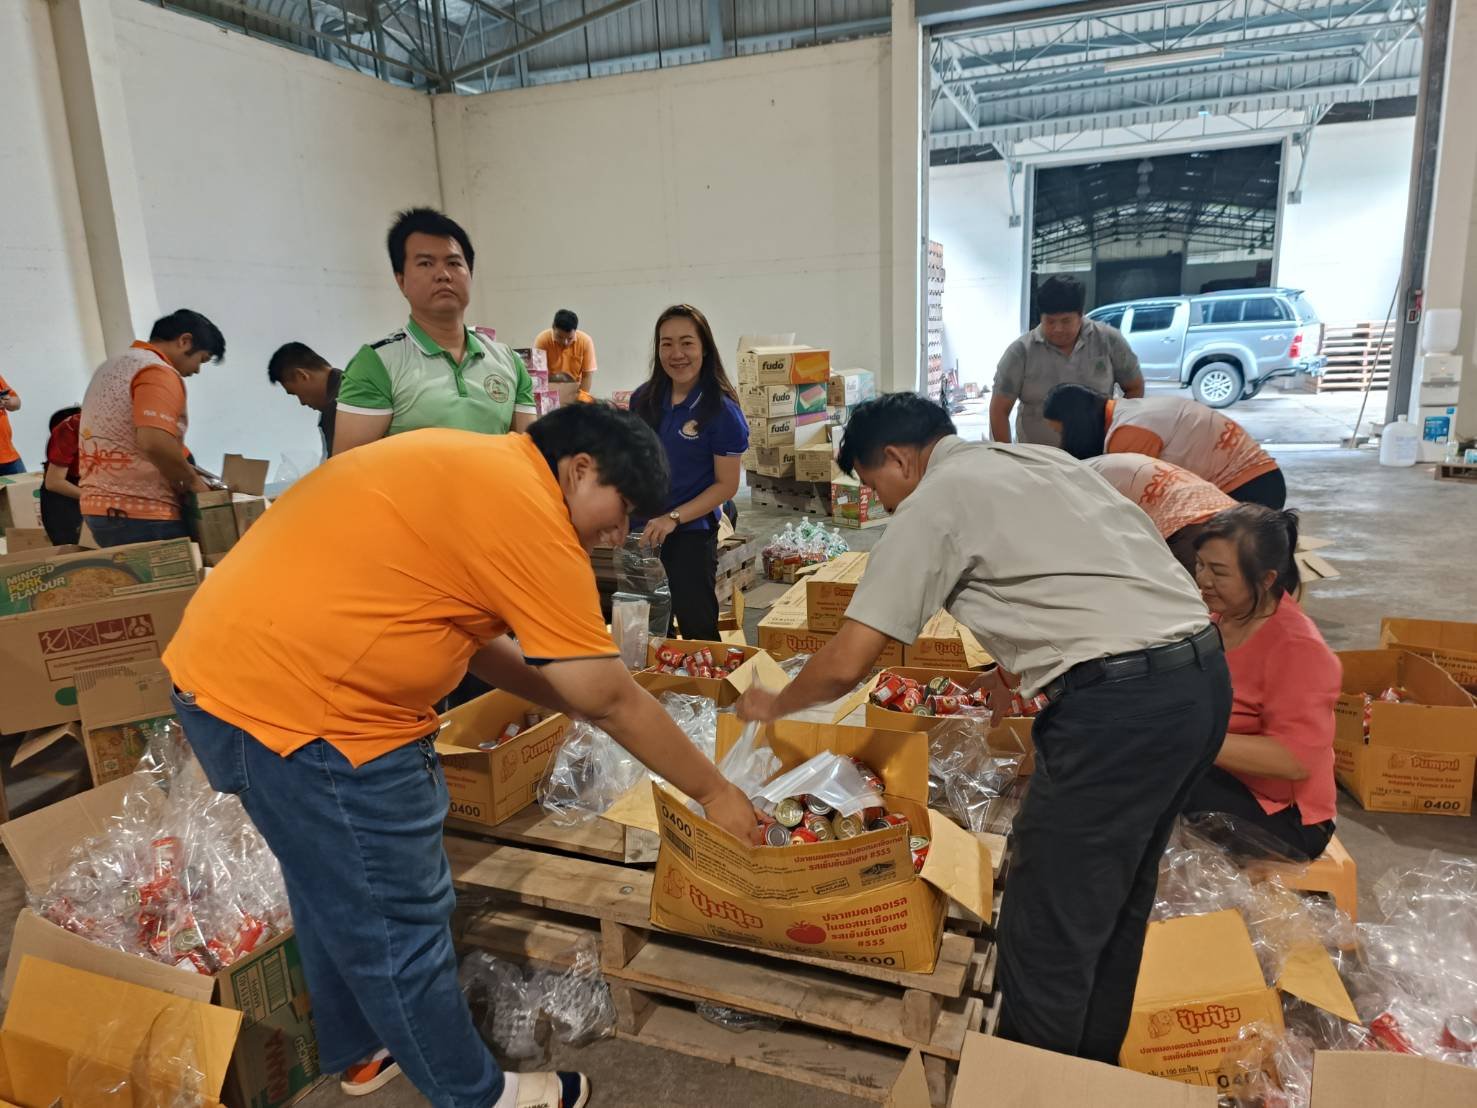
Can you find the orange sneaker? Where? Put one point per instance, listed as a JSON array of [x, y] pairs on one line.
[[365, 1077]]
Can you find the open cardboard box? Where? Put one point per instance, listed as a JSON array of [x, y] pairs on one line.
[[218, 518], [275, 1054], [946, 643], [1451, 645], [1419, 757], [20, 501], [783, 365], [488, 786], [1200, 983], [785, 631], [853, 899], [757, 666], [829, 589]]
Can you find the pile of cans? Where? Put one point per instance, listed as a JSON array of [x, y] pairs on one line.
[[798, 820], [1393, 695], [700, 663], [513, 730], [941, 696]]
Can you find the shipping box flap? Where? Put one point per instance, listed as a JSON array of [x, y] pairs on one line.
[[1012, 1075], [124, 693], [19, 539], [1374, 671], [1314, 567], [944, 626], [899, 757], [37, 554], [35, 743], [40, 938], [248, 475], [633, 808], [39, 840], [58, 1013], [910, 1090], [1192, 956], [959, 864], [1429, 634], [1309, 974], [1380, 1079], [486, 718]]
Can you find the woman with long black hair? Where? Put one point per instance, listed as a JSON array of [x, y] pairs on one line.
[[694, 409]]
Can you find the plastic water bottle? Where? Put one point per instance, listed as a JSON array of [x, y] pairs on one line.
[[1400, 443]]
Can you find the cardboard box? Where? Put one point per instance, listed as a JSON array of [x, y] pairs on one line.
[[853, 504], [1380, 1079], [815, 463], [41, 652], [1020, 1076], [946, 643], [275, 1056], [1420, 756], [772, 432], [68, 576], [849, 387], [761, 402], [20, 501], [757, 666], [1200, 983], [828, 591], [785, 631], [784, 365], [1451, 645], [771, 461], [488, 786], [18, 539], [854, 899], [217, 519], [119, 705]]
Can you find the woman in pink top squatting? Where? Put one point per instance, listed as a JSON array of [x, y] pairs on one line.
[[1275, 771]]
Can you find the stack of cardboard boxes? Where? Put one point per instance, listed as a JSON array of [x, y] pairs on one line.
[[782, 390], [217, 519]]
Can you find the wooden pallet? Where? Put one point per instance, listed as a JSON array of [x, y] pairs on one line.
[[1357, 353], [789, 495], [1456, 471], [599, 838]]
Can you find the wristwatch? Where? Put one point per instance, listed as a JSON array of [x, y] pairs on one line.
[[674, 517]]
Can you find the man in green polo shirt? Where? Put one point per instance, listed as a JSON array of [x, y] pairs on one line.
[[437, 371]]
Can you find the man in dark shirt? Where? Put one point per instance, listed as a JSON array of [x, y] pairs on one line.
[[306, 374]]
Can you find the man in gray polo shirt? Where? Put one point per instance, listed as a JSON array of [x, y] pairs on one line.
[[1071, 589], [1064, 348]]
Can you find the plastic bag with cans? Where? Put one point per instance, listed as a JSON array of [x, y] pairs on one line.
[[179, 875], [967, 780], [828, 777], [590, 770], [519, 1011]]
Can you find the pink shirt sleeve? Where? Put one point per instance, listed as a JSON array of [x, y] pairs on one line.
[[1302, 686]]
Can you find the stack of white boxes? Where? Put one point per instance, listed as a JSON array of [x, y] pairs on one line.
[[1438, 380], [783, 390]]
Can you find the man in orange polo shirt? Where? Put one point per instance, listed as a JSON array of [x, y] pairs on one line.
[[305, 685], [131, 450], [570, 353], [10, 458]]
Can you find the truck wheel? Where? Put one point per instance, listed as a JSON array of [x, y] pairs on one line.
[[1217, 385]]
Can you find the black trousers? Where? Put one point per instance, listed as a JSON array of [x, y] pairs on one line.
[[62, 518], [1270, 489], [1114, 765], [691, 562], [1219, 791]]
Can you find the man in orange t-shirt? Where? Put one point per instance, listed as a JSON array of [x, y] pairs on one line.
[[10, 458], [306, 686], [131, 454], [570, 353]]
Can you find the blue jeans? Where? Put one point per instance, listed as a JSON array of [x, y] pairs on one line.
[[120, 530], [371, 897], [9, 468]]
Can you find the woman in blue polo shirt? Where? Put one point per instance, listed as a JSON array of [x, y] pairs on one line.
[[692, 406]]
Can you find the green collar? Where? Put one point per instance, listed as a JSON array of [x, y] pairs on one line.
[[430, 347]]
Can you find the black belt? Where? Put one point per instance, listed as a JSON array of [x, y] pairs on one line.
[[1203, 644]]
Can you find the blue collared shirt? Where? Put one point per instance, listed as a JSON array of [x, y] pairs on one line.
[[690, 449]]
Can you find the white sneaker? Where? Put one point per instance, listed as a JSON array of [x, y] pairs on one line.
[[374, 1073], [564, 1089]]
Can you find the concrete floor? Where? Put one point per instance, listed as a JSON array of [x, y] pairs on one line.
[[1404, 544]]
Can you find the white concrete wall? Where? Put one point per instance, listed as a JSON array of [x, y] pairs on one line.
[[751, 188], [53, 338], [268, 180], [984, 264], [1343, 242]]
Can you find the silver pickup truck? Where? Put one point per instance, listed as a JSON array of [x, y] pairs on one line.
[[1223, 346]]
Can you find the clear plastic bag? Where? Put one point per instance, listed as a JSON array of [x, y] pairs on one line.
[[180, 875], [750, 762], [794, 664], [163, 1064], [731, 1019], [639, 573], [630, 626], [517, 1011], [968, 781], [828, 776]]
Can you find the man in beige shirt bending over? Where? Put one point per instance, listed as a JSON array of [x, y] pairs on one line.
[[1072, 590]]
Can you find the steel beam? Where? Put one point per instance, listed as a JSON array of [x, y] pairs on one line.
[[542, 39]]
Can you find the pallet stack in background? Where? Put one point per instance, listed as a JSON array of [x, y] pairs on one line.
[[935, 320]]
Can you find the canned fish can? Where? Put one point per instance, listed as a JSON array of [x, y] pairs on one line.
[[817, 807], [789, 812], [869, 776], [169, 856], [918, 844], [1386, 1030], [734, 657], [776, 834], [820, 827], [889, 688], [1459, 1033], [886, 820], [705, 656], [670, 656], [847, 827], [532, 719], [802, 835], [946, 705], [488, 744], [512, 731], [909, 699], [923, 710], [938, 686]]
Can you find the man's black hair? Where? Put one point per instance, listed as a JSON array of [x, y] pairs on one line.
[[425, 221], [566, 320], [204, 335], [1061, 294], [1082, 412], [626, 451], [291, 356], [897, 419]]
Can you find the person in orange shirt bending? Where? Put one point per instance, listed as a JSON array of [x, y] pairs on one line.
[[1176, 501], [308, 692], [10, 458], [570, 352]]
